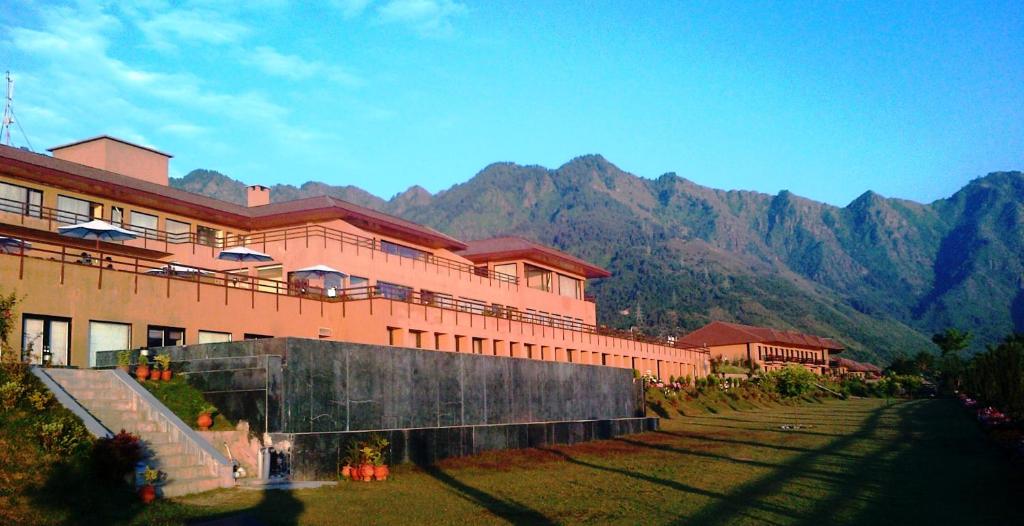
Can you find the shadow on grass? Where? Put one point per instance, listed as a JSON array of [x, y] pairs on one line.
[[510, 510], [277, 507], [727, 510]]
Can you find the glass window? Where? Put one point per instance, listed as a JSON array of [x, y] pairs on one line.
[[71, 210], [108, 336], [20, 200], [214, 337], [568, 287], [249, 336], [394, 291], [144, 224], [207, 236], [507, 269], [158, 336], [178, 231], [538, 278], [402, 250], [267, 275], [117, 215], [469, 305], [437, 299]]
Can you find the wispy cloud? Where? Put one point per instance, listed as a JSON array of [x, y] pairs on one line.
[[294, 67], [191, 26], [430, 18]]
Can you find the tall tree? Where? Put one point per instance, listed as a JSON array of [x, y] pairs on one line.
[[952, 340]]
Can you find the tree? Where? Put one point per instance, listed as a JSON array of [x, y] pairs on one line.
[[7, 305], [952, 340]]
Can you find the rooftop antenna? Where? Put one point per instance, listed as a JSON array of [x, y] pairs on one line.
[[8, 119]]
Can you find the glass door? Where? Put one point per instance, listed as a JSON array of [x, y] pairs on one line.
[[42, 333]]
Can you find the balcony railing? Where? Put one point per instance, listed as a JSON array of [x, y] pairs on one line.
[[154, 238], [794, 359], [105, 263]]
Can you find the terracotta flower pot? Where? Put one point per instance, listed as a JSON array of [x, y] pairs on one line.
[[147, 493], [154, 374], [204, 421], [166, 375], [381, 472], [346, 472], [366, 472], [142, 372]]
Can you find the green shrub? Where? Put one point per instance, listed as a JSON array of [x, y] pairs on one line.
[[61, 436], [40, 400], [10, 394], [115, 457], [790, 381]]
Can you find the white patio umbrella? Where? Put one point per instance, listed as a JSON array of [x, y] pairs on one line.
[[98, 230], [317, 271], [244, 255], [175, 269], [12, 245]]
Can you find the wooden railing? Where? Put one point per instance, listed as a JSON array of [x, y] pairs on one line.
[[794, 359]]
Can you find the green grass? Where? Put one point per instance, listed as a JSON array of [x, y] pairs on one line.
[[185, 401], [866, 461]]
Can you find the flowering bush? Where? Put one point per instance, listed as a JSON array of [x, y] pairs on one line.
[[61, 436], [7, 305]]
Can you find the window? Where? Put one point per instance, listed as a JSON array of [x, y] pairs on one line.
[[117, 215], [569, 287], [401, 250], [20, 200], [250, 336], [46, 333], [468, 305], [71, 210], [207, 236], [506, 269], [437, 299], [238, 277], [214, 337], [269, 276], [394, 291], [178, 232], [538, 278], [108, 336], [158, 336], [144, 224]]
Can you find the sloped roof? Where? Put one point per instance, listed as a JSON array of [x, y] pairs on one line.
[[512, 247], [724, 333], [74, 176], [856, 367]]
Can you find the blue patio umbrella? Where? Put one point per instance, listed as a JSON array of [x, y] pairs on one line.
[[12, 245], [244, 255], [98, 230]]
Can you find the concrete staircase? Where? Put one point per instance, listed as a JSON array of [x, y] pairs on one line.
[[118, 402]]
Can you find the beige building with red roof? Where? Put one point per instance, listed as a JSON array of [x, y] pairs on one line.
[[766, 347]]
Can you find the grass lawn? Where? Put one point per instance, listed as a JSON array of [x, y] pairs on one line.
[[852, 462]]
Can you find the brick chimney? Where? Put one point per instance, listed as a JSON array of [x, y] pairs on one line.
[[257, 195], [118, 156]]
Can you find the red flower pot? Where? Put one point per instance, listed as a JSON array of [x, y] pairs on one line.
[[204, 421], [381, 472], [166, 375], [142, 372], [366, 472], [346, 472], [147, 493], [154, 374]]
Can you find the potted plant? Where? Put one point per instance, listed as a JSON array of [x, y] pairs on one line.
[[368, 456], [380, 468], [142, 370], [205, 419], [148, 491], [353, 455], [154, 372], [164, 360], [124, 360]]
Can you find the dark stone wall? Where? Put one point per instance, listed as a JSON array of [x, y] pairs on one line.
[[293, 385]]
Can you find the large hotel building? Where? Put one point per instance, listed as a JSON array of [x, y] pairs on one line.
[[402, 284]]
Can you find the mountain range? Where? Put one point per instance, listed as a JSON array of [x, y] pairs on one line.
[[880, 274]]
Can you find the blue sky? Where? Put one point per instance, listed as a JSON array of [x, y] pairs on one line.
[[826, 99]]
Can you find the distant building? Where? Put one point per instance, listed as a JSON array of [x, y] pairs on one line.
[[767, 348], [401, 283], [848, 367]]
